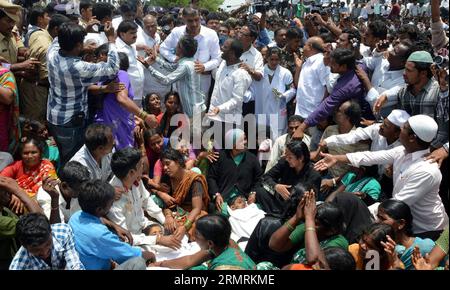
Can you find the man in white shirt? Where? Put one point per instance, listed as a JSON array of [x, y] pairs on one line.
[[231, 84], [150, 40], [252, 62], [208, 52], [376, 30], [416, 180], [311, 79], [412, 9], [72, 175], [312, 76], [128, 212], [387, 78], [128, 12], [95, 154], [127, 35], [383, 136], [59, 198], [102, 12]]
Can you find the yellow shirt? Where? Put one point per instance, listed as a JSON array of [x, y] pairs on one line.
[[39, 43], [8, 48]]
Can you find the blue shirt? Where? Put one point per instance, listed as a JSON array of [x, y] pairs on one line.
[[263, 38], [63, 253], [69, 79], [425, 246], [97, 245]]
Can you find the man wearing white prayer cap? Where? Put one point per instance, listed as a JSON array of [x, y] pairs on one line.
[[384, 136], [416, 180], [424, 127]]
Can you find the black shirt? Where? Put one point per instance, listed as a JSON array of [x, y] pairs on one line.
[[281, 173]]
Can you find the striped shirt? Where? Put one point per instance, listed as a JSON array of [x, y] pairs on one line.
[[63, 253], [188, 83], [69, 79]]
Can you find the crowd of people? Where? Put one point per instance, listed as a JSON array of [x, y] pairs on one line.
[[305, 135]]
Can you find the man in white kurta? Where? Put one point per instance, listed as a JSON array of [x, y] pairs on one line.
[[150, 39], [382, 136], [125, 43], [231, 84], [208, 50]]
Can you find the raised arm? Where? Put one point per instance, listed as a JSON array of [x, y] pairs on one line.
[[91, 73], [167, 48]]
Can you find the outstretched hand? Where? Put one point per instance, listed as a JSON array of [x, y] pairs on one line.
[[326, 162]]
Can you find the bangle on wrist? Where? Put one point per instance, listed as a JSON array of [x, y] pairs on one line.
[[312, 229], [188, 224], [289, 226], [334, 182]]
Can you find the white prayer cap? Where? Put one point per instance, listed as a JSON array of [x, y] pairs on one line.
[[398, 117], [424, 127], [258, 14]]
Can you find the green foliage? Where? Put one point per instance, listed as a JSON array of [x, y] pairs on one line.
[[211, 5], [170, 3]]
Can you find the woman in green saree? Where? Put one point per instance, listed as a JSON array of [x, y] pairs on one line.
[[329, 223], [218, 252]]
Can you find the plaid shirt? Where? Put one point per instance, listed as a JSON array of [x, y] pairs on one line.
[[442, 117], [63, 253], [426, 102], [69, 79]]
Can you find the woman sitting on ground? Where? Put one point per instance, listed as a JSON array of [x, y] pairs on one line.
[[38, 130], [152, 105], [329, 227], [30, 171], [376, 241], [173, 107], [361, 182], [188, 195], [332, 258], [294, 168], [397, 214], [218, 251]]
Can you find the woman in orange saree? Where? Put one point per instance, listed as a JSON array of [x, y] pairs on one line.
[[30, 171], [189, 197]]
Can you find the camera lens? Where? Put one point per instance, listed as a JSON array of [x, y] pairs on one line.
[[438, 60]]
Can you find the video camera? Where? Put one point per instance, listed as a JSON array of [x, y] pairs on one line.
[[441, 61], [262, 6]]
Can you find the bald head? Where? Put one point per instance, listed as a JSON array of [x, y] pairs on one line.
[[313, 45], [150, 25], [149, 17]]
